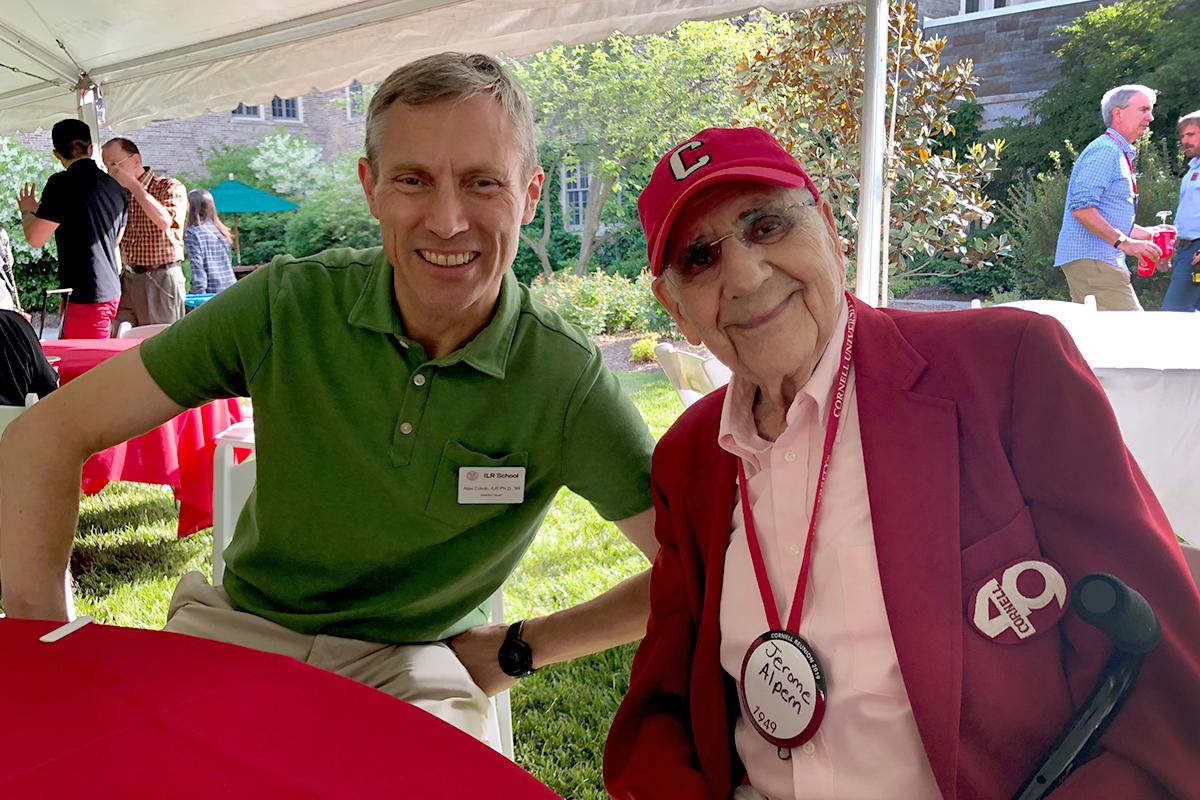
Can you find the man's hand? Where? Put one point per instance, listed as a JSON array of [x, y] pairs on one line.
[[479, 651], [1196, 258], [1141, 249], [127, 178], [27, 198]]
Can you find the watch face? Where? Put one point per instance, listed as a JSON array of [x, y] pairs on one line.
[[515, 658]]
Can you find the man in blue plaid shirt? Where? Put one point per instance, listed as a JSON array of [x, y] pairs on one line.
[[1098, 230]]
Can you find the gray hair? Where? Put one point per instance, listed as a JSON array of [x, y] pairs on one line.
[[1120, 97], [458, 77], [1188, 119]]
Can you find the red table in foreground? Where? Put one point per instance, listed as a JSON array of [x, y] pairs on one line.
[[178, 453], [120, 712]]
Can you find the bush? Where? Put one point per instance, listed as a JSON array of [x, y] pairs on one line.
[[601, 303], [335, 214], [290, 165], [642, 351], [35, 270]]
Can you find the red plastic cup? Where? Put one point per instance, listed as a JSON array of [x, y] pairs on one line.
[[1165, 239]]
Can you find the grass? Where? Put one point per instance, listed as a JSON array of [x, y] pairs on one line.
[[127, 560]]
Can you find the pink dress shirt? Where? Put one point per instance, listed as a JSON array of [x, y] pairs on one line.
[[868, 745]]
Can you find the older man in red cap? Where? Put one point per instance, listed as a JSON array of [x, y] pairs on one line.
[[869, 537]]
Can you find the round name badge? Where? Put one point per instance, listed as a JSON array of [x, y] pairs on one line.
[[783, 688]]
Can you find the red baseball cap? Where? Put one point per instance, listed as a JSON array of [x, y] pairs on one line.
[[713, 155]]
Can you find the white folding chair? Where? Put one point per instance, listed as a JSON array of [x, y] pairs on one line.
[[232, 484], [692, 376], [127, 331], [7, 415]]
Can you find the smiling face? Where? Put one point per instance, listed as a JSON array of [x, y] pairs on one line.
[[451, 194], [768, 310], [1133, 120]]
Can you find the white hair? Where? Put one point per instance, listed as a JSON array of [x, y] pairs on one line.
[[1120, 97]]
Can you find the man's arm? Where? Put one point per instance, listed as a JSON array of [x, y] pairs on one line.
[[41, 462], [37, 230], [616, 617], [1102, 229], [158, 213]]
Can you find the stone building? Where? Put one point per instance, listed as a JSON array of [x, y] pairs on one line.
[[1011, 42]]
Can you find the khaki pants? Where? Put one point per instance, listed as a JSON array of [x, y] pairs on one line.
[[151, 298], [1110, 284], [429, 676]]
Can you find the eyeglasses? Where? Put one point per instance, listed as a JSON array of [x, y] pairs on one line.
[[116, 164], [761, 227]]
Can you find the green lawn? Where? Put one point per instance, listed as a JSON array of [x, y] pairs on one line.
[[127, 560]]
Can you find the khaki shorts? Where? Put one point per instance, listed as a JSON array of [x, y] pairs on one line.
[[429, 676], [1109, 283]]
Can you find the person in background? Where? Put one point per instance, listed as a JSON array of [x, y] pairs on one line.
[[206, 241], [152, 290], [1183, 294], [85, 210], [1098, 230], [9, 298], [23, 365]]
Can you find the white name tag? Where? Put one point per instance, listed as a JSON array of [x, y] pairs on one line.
[[491, 485]]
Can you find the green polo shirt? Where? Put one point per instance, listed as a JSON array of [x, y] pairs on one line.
[[355, 527]]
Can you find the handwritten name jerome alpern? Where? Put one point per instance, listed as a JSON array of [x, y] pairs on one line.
[[784, 682]]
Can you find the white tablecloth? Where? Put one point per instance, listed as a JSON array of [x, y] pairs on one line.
[[1149, 365]]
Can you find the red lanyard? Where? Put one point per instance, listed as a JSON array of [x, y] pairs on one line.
[[1128, 161], [831, 429]]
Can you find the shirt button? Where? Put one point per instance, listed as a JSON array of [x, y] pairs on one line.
[[419, 379], [789, 456], [405, 428], [809, 748], [794, 549]]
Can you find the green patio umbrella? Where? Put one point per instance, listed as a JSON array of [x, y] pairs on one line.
[[234, 197]]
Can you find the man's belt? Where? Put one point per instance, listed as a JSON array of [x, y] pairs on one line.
[[1185, 242], [140, 270]]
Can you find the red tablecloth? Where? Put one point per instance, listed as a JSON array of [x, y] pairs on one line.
[[178, 453], [119, 712]]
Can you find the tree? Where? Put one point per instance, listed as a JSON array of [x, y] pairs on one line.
[[289, 165], [622, 102], [807, 88], [1151, 42], [34, 268]]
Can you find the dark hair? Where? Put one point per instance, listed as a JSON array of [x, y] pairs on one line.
[[202, 209], [71, 137], [126, 145]]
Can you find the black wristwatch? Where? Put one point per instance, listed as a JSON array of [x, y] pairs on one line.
[[516, 656]]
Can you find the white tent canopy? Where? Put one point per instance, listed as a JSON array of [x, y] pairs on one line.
[[156, 61], [159, 61]]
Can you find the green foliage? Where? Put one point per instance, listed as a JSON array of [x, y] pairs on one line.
[[1151, 42], [807, 88], [642, 351], [601, 303], [615, 106], [35, 269], [1033, 213], [224, 160], [290, 165], [335, 213]]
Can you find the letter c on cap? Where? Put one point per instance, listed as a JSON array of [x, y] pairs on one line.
[[679, 169]]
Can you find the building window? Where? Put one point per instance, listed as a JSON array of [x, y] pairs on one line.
[[356, 101], [575, 183], [999, 3], [244, 111], [970, 6], [288, 109]]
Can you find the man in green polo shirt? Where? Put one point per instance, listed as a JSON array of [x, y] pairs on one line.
[[415, 415]]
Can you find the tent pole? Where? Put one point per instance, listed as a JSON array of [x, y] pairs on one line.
[[870, 183], [86, 95]]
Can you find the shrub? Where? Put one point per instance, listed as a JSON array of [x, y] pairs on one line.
[[335, 213], [35, 270], [601, 303], [642, 351], [290, 165]]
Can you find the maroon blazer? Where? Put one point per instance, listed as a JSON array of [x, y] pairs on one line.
[[986, 439]]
